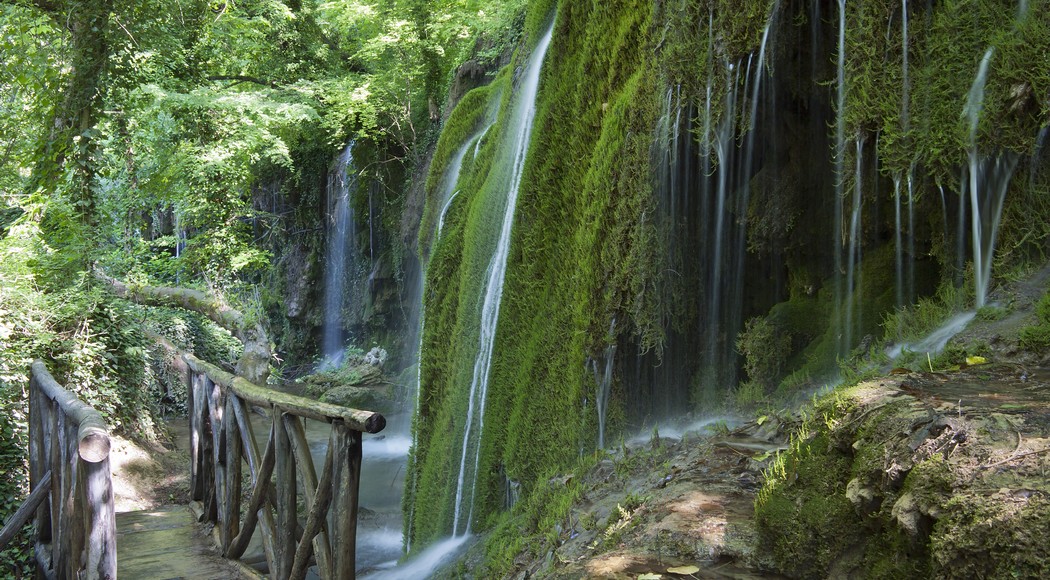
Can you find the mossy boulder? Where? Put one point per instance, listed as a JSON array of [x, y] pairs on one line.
[[369, 399], [898, 479], [360, 383]]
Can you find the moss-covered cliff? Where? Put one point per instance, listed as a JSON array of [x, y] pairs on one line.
[[692, 167]]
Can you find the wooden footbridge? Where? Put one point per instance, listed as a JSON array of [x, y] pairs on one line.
[[275, 499]]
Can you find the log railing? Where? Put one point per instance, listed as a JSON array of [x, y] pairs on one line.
[[72, 490], [222, 438]]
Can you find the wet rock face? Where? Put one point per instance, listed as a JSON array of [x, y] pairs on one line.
[[297, 289], [898, 479]]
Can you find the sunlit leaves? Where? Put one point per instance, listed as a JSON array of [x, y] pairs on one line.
[[31, 69]]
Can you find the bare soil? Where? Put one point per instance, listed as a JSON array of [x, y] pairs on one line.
[[148, 475]]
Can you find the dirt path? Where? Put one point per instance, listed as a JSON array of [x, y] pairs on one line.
[[147, 476]]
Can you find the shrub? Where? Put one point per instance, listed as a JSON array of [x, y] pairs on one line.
[[765, 350]]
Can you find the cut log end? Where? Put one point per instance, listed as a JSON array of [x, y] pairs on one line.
[[375, 423], [94, 446]]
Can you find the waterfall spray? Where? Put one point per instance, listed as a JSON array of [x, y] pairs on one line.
[[988, 181]]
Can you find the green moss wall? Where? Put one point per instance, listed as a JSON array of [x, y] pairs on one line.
[[590, 244]]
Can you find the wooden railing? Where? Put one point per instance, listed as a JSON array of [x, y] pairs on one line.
[[222, 438], [72, 492]]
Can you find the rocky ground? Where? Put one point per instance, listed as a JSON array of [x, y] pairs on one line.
[[667, 507]]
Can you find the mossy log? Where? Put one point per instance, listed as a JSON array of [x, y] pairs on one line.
[[355, 419], [254, 364]]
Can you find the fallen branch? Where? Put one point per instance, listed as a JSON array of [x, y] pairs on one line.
[[254, 364], [1015, 457]]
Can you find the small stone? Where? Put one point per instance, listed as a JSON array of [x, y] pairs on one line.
[[376, 357]]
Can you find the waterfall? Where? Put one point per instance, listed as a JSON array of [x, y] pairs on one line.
[[898, 243], [906, 286], [989, 178], [519, 129], [725, 143], [840, 151], [444, 210], [960, 240], [603, 383], [340, 254], [974, 103], [944, 217], [975, 98], [477, 146], [905, 262], [906, 93], [911, 237], [732, 321], [445, 192], [704, 190], [853, 259], [447, 188]]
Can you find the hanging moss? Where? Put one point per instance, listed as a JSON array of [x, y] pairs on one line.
[[581, 238], [589, 248]]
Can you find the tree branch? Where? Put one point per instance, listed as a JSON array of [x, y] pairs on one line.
[[254, 364]]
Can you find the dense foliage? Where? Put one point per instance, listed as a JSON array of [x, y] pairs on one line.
[[140, 137]]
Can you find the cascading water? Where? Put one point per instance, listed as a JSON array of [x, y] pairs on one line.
[[906, 92], [448, 182], [840, 153], [988, 180], [446, 194], [603, 383], [704, 187], [854, 255], [910, 280], [898, 245], [732, 190], [904, 239], [725, 147], [905, 273], [444, 210], [984, 182], [338, 263], [519, 128]]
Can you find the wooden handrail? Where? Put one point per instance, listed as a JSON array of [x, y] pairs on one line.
[[222, 442], [357, 420], [69, 456], [26, 510]]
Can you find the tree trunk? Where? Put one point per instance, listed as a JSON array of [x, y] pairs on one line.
[[70, 143], [254, 364]]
